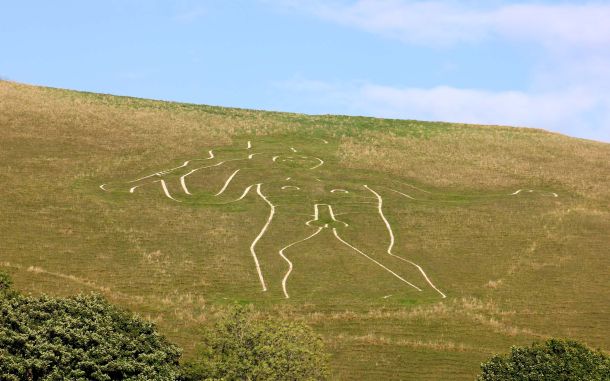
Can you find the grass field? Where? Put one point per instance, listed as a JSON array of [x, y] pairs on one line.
[[514, 267]]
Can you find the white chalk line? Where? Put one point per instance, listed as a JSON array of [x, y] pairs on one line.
[[166, 171], [182, 178], [211, 155], [260, 234], [511, 194], [377, 263], [272, 212], [414, 187], [324, 141], [400, 193], [291, 187], [284, 287], [531, 191], [226, 184], [183, 183], [133, 189], [161, 172], [316, 215], [240, 197], [321, 162], [166, 191], [316, 166], [391, 245]]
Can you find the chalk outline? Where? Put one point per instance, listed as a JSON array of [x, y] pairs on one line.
[[166, 171], [531, 191], [227, 182], [260, 235], [316, 213], [391, 245], [290, 187], [166, 191], [290, 266], [373, 260]]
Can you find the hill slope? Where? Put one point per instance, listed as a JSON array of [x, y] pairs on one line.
[[174, 210]]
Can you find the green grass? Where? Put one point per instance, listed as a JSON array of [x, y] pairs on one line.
[[515, 268]]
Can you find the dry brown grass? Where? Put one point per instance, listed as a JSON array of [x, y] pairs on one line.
[[374, 339], [483, 158]]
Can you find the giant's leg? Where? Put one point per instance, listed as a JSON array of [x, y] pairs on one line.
[[392, 240], [282, 234]]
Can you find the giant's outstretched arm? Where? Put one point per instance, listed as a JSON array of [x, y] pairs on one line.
[[176, 176], [416, 193]]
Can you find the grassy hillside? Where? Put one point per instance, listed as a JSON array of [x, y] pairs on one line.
[[515, 267]]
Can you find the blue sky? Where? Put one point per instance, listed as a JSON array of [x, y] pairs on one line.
[[541, 64]]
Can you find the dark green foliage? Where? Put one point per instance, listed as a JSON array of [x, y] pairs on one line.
[[85, 338], [243, 346], [79, 338], [554, 360], [5, 285]]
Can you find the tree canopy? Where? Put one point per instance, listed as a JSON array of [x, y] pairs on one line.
[[79, 338], [553, 360], [243, 346], [86, 338]]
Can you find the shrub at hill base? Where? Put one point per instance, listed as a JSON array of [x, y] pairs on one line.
[[86, 338], [79, 338], [5, 285], [243, 346], [554, 360]]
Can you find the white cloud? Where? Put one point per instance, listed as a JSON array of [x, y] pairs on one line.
[[449, 22], [478, 106], [569, 111], [569, 87]]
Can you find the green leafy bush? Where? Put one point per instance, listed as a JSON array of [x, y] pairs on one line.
[[243, 346], [86, 338], [5, 285], [554, 360], [80, 338]]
